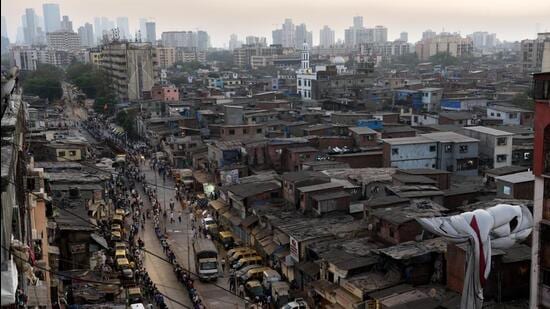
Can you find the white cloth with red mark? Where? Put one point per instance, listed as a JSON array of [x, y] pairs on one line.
[[499, 227]]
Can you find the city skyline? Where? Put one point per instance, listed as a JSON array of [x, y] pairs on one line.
[[467, 17]]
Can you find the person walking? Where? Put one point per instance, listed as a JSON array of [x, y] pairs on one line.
[[232, 282], [179, 216], [172, 217]]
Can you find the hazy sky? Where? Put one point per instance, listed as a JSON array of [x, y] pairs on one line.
[[510, 19]]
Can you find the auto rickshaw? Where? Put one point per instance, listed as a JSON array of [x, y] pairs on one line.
[[116, 236], [133, 295], [254, 274], [120, 246], [125, 267], [254, 289], [120, 254], [227, 239], [118, 219]]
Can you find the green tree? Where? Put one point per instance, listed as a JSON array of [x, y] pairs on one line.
[[444, 59], [126, 119], [44, 82], [95, 84], [523, 100], [224, 56]]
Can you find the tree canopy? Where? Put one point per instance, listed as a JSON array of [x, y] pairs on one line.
[[44, 82], [126, 119], [444, 59], [95, 84]]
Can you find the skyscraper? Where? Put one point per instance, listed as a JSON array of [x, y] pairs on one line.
[[97, 29], [326, 37], [29, 26], [358, 22], [107, 26], [52, 17], [151, 30], [428, 34], [234, 42], [123, 26], [66, 24], [277, 36], [203, 40], [404, 36], [351, 34], [302, 36], [380, 34], [142, 28], [289, 33], [4, 27], [86, 34], [254, 40]]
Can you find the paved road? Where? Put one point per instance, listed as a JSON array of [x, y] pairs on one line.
[[160, 271], [179, 238]]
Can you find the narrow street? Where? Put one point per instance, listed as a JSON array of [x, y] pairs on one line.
[[180, 238], [160, 271]]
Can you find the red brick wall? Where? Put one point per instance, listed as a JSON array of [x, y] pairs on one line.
[[399, 134], [360, 161], [340, 141], [456, 266]]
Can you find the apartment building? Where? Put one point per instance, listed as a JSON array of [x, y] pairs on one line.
[[166, 56], [131, 68], [63, 40], [410, 152], [495, 146], [532, 52], [28, 58], [448, 151], [510, 115], [453, 44]]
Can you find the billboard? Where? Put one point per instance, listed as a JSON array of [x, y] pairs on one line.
[[294, 249]]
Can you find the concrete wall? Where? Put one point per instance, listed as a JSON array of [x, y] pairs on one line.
[[488, 146], [448, 160], [412, 155]]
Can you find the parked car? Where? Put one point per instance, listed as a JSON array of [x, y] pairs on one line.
[[227, 239], [254, 289]]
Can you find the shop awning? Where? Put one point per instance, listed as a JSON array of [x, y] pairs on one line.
[[248, 221], [217, 204], [309, 268], [100, 240], [270, 248], [232, 217]]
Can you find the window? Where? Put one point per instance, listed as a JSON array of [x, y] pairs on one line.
[[448, 148], [463, 148], [492, 114], [498, 114], [501, 141], [231, 132], [245, 131], [506, 190], [513, 116], [299, 82], [62, 153], [395, 151], [72, 153], [259, 131], [432, 148], [501, 158]]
